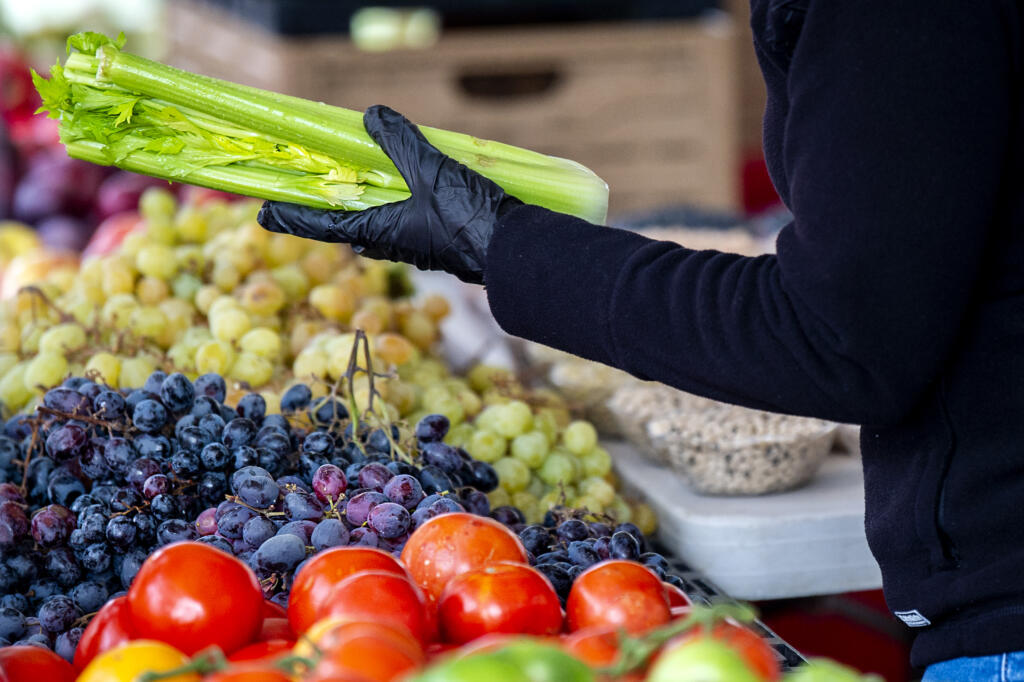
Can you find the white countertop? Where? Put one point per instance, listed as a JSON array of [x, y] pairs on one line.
[[804, 542]]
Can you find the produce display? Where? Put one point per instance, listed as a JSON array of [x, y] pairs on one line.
[[228, 455], [119, 109]]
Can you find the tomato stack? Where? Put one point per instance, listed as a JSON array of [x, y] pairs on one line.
[[462, 603]]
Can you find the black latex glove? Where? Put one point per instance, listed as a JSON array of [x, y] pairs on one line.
[[445, 225]]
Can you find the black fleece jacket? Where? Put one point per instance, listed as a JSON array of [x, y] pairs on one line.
[[895, 135]]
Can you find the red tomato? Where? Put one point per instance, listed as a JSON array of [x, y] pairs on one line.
[[321, 573], [596, 646], [380, 597], [34, 664], [620, 593], [275, 628], [676, 597], [452, 544], [259, 651], [754, 651], [377, 652], [192, 596], [111, 626], [272, 610], [248, 673], [502, 597]]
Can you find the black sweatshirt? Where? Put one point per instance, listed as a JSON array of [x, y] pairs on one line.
[[895, 135]]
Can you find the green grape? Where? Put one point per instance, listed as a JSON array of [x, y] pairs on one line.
[[7, 361], [148, 322], [182, 357], [557, 468], [579, 437], [116, 279], [514, 418], [310, 363], [531, 448], [263, 342], [156, 260], [545, 422], [107, 365], [486, 446], [292, 280], [487, 418], [30, 337], [513, 475], [225, 275], [252, 369], [62, 338], [588, 502], [537, 487], [645, 518], [157, 202], [45, 370], [185, 286], [222, 302], [596, 462], [499, 497], [229, 324], [195, 337], [449, 406], [599, 489], [214, 356], [619, 510], [458, 435], [526, 503], [135, 371], [13, 392], [192, 225], [117, 311]]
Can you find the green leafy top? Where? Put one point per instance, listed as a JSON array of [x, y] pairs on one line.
[[90, 41], [55, 92]]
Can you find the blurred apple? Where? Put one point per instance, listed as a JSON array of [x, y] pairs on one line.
[[35, 267], [112, 231]]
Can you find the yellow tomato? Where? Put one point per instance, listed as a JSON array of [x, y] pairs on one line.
[[127, 662]]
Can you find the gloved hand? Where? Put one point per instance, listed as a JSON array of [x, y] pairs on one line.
[[445, 225]]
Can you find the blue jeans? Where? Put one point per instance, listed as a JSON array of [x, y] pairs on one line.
[[997, 668]]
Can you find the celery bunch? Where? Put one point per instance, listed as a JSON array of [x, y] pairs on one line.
[[119, 109]]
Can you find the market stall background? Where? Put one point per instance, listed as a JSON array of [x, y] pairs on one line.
[[661, 99]]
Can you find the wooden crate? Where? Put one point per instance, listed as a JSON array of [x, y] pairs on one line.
[[651, 107]]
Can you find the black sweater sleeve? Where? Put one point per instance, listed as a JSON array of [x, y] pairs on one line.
[[893, 149]]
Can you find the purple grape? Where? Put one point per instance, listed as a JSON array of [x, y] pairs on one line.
[[389, 520], [300, 529], [476, 502], [432, 428], [157, 484], [139, 472], [52, 525], [624, 545], [329, 533], [329, 483], [441, 455], [255, 487], [66, 442], [278, 555], [405, 490], [364, 537], [301, 507], [446, 505], [211, 386], [374, 476], [58, 613], [11, 493], [230, 522], [66, 400], [13, 515], [602, 546], [357, 511], [258, 530], [509, 516], [296, 398], [206, 522]]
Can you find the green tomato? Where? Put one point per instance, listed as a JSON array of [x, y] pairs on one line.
[[517, 662], [701, 660], [824, 670]]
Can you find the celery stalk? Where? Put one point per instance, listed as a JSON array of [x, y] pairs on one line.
[[121, 109]]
